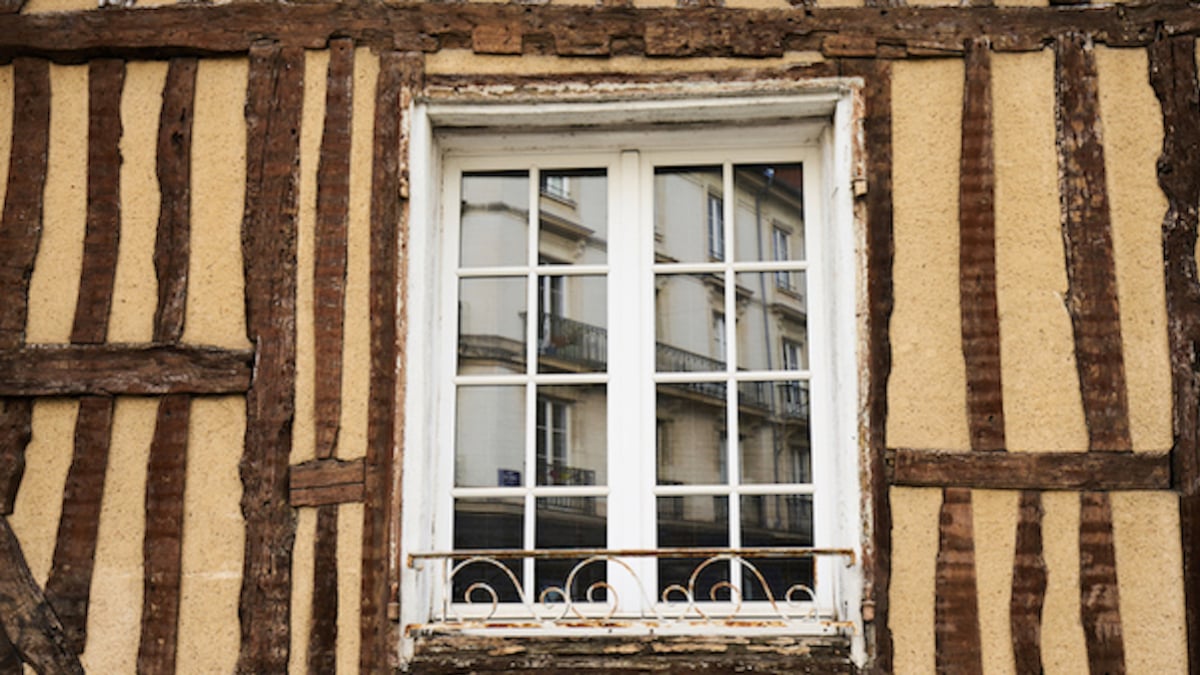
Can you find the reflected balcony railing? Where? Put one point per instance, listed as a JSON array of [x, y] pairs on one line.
[[554, 473], [572, 340], [766, 588]]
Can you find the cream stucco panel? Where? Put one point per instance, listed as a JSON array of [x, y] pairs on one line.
[[115, 607], [38, 6], [6, 114], [1132, 121], [995, 522], [216, 303], [213, 537], [303, 565], [1150, 580], [1042, 406], [54, 286], [1063, 647], [350, 537], [911, 593], [39, 499], [927, 386], [135, 288]]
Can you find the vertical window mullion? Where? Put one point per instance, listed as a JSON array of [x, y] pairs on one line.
[[732, 433], [532, 321]]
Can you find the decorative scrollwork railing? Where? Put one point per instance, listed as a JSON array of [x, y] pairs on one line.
[[489, 588]]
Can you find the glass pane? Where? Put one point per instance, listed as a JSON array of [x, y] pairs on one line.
[[693, 521], [572, 324], [691, 434], [572, 435], [689, 323], [491, 325], [489, 448], [689, 220], [488, 523], [777, 520], [570, 522], [771, 321], [769, 218], [573, 212], [495, 219], [776, 446]]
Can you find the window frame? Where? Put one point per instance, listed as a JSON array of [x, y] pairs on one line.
[[834, 140]]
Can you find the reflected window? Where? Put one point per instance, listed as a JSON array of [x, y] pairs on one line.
[[716, 227]]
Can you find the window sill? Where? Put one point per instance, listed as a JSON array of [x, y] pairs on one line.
[[436, 653]]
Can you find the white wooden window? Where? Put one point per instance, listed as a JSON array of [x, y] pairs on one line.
[[628, 353]]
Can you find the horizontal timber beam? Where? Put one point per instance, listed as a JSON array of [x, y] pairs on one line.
[[111, 369], [891, 32], [326, 481], [1030, 470]]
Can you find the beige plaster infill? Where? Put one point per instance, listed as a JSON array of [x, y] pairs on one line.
[[995, 522], [356, 354], [303, 564], [213, 537], [350, 539], [6, 117], [1042, 406], [927, 386], [39, 499], [911, 591], [42, 6], [216, 302], [54, 286], [1150, 580], [115, 607], [135, 289], [459, 61], [1063, 647], [1132, 122]]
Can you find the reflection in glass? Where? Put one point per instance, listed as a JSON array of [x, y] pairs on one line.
[[489, 444], [491, 325], [777, 520], [488, 523], [572, 435], [572, 320], [772, 330], [693, 521], [769, 218], [689, 323], [570, 522], [691, 433], [689, 220], [573, 213], [776, 446], [495, 219]]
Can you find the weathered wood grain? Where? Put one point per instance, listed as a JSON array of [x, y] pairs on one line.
[[29, 622], [11, 6], [1173, 76], [381, 421], [162, 545], [10, 663], [20, 233], [876, 110], [327, 481], [1031, 470], [172, 246], [111, 369], [68, 588], [273, 103], [1096, 324], [323, 633], [956, 605], [604, 29], [1029, 585]]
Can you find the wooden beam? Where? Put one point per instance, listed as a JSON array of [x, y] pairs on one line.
[[30, 624], [1031, 470], [1174, 78], [326, 481], [274, 96], [112, 369], [166, 468], [1096, 324], [956, 601], [601, 30], [69, 585], [1029, 585]]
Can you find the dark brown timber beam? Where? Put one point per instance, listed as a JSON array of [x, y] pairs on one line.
[[1174, 78], [162, 544], [326, 481], [274, 98], [574, 30], [112, 369], [1031, 470]]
